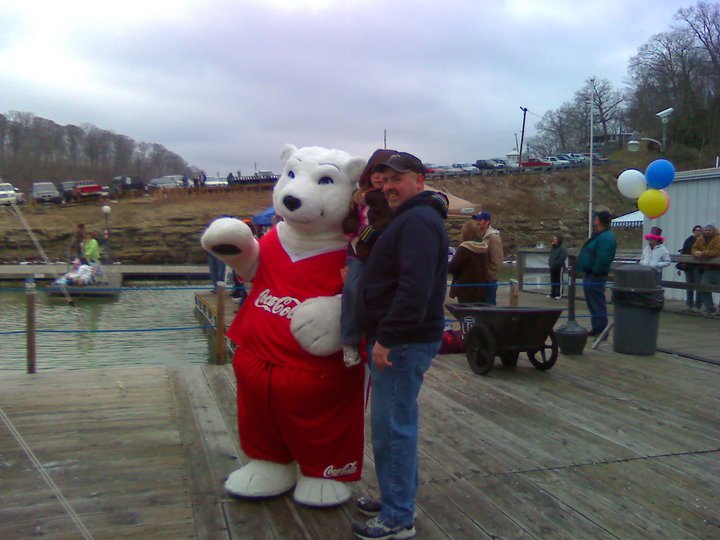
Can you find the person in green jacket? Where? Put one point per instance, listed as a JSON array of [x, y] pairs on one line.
[[92, 248], [594, 262]]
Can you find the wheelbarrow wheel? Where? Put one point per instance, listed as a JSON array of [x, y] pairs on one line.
[[546, 357], [509, 359], [480, 349]]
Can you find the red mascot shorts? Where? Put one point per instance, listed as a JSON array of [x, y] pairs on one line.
[[314, 418]]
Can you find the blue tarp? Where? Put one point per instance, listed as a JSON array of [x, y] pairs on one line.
[[264, 218]]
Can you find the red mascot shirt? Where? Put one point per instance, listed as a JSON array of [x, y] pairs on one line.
[[293, 405], [262, 326]]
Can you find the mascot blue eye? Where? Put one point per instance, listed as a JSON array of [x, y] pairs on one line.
[[291, 174], [326, 180]]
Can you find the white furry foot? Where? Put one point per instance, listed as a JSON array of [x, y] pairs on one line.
[[321, 492], [262, 479]]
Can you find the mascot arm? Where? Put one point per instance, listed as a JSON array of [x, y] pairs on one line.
[[315, 324], [232, 241]]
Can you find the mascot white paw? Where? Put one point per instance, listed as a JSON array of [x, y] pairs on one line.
[[321, 492], [232, 241], [262, 479], [315, 324]]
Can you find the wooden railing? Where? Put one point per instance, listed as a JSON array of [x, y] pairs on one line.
[[621, 257]]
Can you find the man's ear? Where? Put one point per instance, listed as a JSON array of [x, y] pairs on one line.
[[420, 182]]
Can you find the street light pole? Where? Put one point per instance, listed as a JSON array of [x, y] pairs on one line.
[[592, 151], [106, 233]]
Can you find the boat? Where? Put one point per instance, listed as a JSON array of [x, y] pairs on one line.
[[108, 287]]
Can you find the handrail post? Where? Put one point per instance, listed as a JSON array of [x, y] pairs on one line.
[[30, 301], [220, 324], [514, 293]]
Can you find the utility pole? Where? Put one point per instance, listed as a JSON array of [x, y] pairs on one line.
[[522, 137], [592, 150], [385, 139]]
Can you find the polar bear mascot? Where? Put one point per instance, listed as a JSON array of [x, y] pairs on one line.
[[300, 409]]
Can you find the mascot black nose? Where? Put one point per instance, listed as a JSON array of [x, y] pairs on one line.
[[291, 203]]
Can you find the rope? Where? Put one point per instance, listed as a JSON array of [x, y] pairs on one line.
[[44, 257], [39, 467], [111, 331]]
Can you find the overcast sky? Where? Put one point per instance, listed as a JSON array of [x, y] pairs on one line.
[[225, 83]]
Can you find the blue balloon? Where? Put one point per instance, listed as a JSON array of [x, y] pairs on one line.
[[659, 174]]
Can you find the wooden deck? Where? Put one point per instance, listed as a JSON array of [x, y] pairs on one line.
[[603, 445]]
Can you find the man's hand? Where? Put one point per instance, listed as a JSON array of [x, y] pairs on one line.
[[380, 356]]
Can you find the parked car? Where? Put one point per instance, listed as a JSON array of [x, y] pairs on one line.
[[485, 165], [449, 170], [466, 168], [557, 162], [45, 192], [65, 189], [86, 189], [432, 168], [180, 180], [10, 194], [163, 183], [216, 183], [125, 184], [535, 162], [597, 158], [499, 163]]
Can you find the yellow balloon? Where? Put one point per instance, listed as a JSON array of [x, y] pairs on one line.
[[653, 203]]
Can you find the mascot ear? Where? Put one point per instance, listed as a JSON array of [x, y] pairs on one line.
[[354, 168], [287, 151]]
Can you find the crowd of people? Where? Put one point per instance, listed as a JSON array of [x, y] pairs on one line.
[[393, 299]]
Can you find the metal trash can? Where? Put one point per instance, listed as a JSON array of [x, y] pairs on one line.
[[638, 301]]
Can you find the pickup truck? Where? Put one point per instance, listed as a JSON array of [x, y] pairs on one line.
[[535, 162], [84, 189]]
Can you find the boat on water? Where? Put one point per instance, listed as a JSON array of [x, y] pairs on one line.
[[107, 287]]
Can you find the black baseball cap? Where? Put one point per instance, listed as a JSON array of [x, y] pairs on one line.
[[403, 162]]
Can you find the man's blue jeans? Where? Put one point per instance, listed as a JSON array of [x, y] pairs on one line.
[[693, 275], [217, 270], [710, 276], [394, 422], [594, 289]]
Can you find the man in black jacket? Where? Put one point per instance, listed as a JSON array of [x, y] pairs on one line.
[[402, 295]]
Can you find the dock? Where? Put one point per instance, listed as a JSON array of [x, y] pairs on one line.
[[604, 445], [11, 272]]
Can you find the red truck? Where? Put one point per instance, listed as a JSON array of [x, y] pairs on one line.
[[535, 163], [85, 189]]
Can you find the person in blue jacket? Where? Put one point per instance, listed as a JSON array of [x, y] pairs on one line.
[[401, 300], [594, 262]]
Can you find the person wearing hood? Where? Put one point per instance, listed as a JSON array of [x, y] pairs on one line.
[[402, 296], [655, 254], [367, 218], [469, 267], [491, 236]]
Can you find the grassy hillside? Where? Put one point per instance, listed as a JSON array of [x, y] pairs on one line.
[[527, 208]]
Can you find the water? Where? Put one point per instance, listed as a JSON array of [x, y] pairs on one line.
[[149, 327]]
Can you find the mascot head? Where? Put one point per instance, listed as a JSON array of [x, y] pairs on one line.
[[314, 191]]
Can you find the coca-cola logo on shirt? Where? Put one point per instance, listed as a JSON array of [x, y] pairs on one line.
[[284, 306]]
